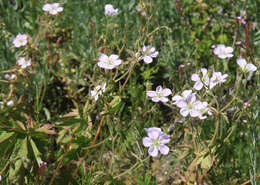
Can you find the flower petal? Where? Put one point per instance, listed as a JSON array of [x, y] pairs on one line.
[[147, 142], [148, 59], [153, 151], [164, 149], [151, 93], [166, 92]]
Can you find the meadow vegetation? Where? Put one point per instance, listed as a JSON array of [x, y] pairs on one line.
[[140, 92]]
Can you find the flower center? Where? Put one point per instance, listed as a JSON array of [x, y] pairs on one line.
[[159, 94], [189, 106], [21, 40], [223, 52], [156, 143], [109, 62]]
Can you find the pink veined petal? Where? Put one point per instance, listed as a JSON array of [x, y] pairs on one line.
[[102, 64], [113, 57], [56, 5], [230, 55], [198, 85], [153, 129], [96, 97], [181, 103], [195, 77], [53, 12], [202, 117], [159, 88], [164, 149], [151, 93], [147, 142], [117, 62], [46, 7], [229, 49], [148, 59], [155, 54], [186, 93], [164, 138], [154, 134], [155, 99], [222, 56], [216, 51], [241, 62], [152, 50], [251, 67], [163, 99], [184, 112], [204, 71], [153, 151], [60, 9], [166, 92], [194, 113], [176, 98], [103, 58]]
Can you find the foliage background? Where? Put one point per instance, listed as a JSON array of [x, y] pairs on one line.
[[55, 120]]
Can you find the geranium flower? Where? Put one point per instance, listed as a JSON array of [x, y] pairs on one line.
[[148, 53], [52, 8], [202, 108], [223, 52], [98, 90], [159, 94], [245, 66], [217, 78], [109, 62], [23, 62], [200, 82], [156, 141], [109, 10], [179, 99], [20, 40]]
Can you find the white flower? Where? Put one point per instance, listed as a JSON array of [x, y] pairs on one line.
[[20, 40], [200, 82], [52, 8], [245, 66], [148, 53], [223, 52], [10, 77], [109, 62], [23, 62], [109, 10], [179, 99], [156, 141], [10, 103], [202, 108], [186, 103], [98, 90], [159, 94], [217, 78]]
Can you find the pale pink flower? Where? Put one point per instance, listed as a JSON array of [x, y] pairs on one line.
[[24, 62], [20, 40], [52, 8], [109, 62], [148, 53], [98, 90], [201, 82], [245, 67], [159, 94], [109, 10], [223, 52], [156, 141]]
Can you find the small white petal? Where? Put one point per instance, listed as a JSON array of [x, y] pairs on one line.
[[164, 149], [151, 93], [148, 59], [153, 151], [166, 92], [147, 142], [155, 99]]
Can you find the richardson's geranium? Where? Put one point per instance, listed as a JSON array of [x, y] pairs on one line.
[[201, 81], [148, 53], [217, 78], [156, 141], [159, 94], [20, 40], [24, 62], [245, 67], [202, 108], [109, 62], [98, 90], [52, 8], [223, 52], [109, 10], [10, 103]]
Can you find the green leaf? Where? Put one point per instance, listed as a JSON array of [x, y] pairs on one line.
[[36, 152], [5, 135]]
